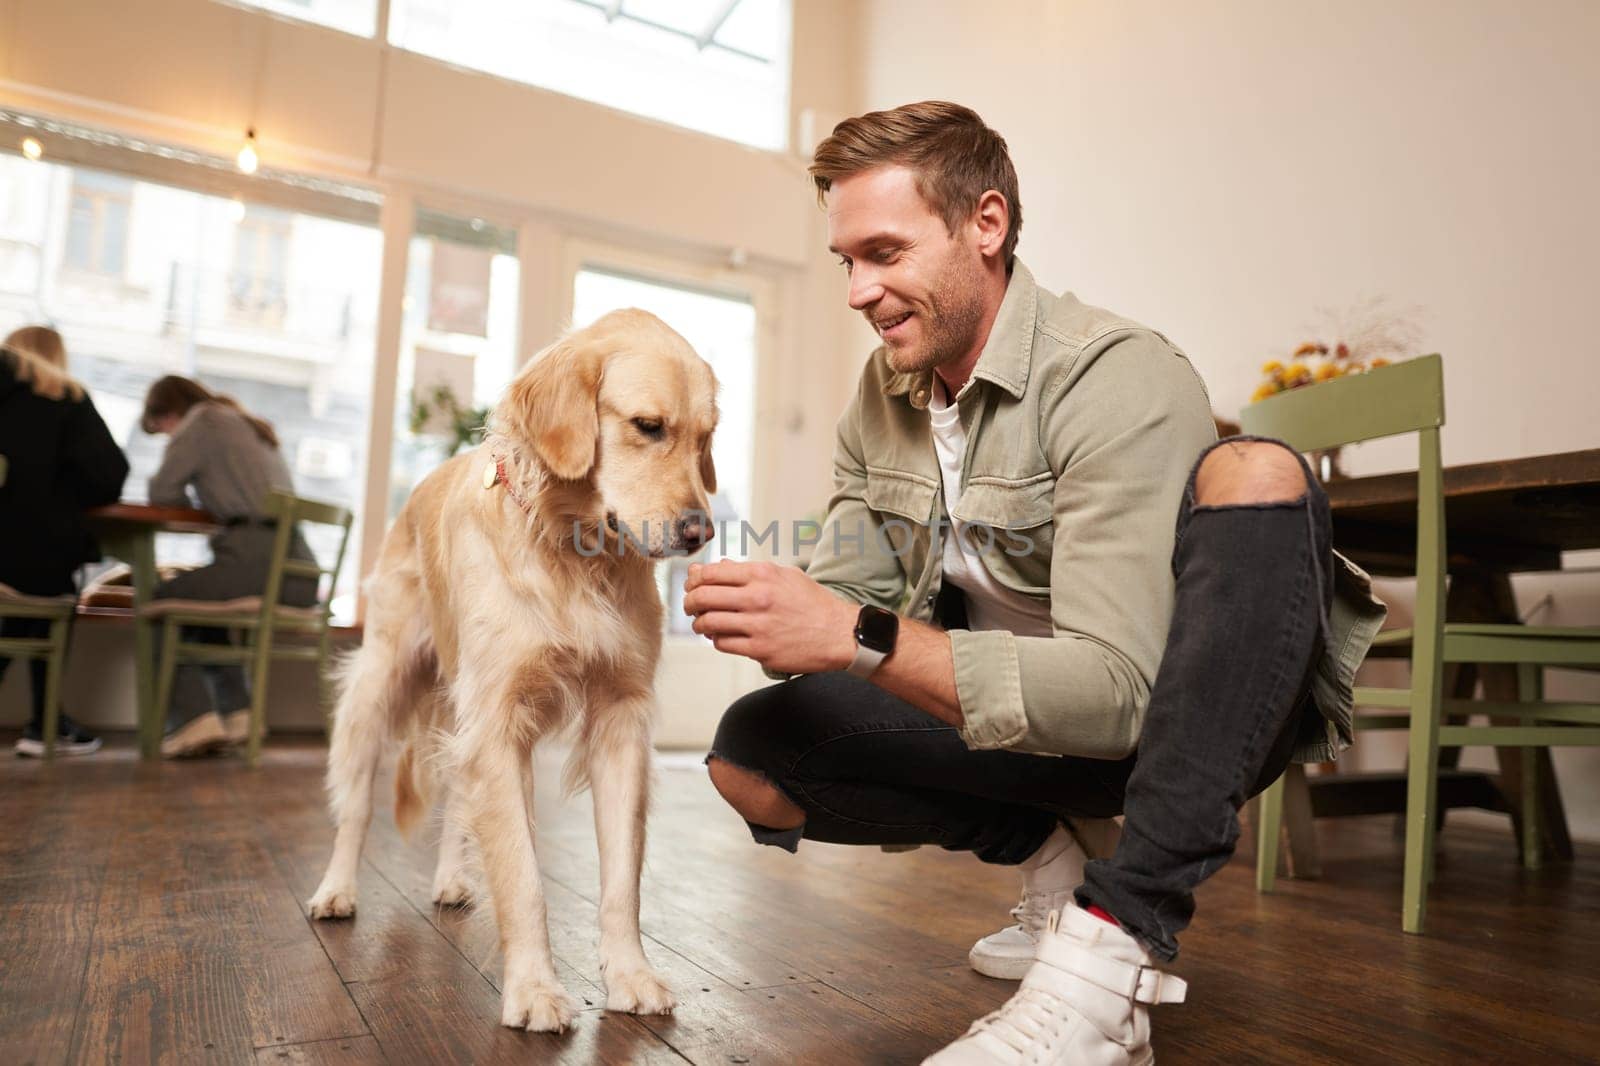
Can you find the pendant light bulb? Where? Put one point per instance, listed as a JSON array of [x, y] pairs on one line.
[[247, 158], [32, 148]]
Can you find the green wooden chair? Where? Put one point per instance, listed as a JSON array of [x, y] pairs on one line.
[[57, 610], [260, 618], [1405, 398]]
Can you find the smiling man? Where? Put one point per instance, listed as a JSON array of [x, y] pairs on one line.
[[1042, 597]]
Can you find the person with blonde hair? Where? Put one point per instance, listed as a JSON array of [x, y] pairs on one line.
[[40, 341], [230, 459], [59, 461]]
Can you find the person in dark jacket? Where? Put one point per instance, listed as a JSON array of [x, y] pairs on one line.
[[60, 461]]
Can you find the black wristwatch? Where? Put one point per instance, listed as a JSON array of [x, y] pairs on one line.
[[876, 630]]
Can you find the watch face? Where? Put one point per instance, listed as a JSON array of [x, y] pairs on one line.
[[877, 628]]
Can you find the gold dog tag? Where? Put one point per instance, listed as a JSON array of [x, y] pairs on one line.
[[491, 474]]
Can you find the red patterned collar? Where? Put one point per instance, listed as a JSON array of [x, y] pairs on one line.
[[495, 474]]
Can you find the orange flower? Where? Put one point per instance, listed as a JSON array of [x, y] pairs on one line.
[[1297, 375], [1327, 372], [1376, 363], [1272, 368], [1342, 351], [1307, 349], [1265, 389]]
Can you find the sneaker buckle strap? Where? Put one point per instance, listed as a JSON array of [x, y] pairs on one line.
[[1153, 986], [1144, 984]]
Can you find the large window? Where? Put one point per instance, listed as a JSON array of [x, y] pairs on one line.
[[276, 308], [97, 224], [718, 66]]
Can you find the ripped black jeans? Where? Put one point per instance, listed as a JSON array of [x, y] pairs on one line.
[[1230, 702]]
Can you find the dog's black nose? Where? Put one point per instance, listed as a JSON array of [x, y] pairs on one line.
[[694, 532]]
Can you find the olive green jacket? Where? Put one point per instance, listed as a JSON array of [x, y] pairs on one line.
[[1082, 428]]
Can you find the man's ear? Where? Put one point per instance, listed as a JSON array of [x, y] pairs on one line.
[[708, 470], [553, 406]]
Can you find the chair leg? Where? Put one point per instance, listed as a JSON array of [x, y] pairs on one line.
[[1530, 689], [164, 675], [1269, 828], [260, 669], [1304, 863], [1422, 797], [52, 685]]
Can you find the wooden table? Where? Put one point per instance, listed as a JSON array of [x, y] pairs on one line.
[[127, 531], [1511, 516]]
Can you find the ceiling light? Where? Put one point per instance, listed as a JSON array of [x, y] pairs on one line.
[[248, 160], [32, 148]]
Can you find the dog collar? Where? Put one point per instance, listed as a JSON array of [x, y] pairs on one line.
[[495, 474]]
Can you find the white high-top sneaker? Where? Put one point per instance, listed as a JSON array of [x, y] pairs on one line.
[[1049, 877], [1082, 1003]]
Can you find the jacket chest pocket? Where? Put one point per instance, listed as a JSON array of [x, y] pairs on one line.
[[904, 506], [1011, 524]]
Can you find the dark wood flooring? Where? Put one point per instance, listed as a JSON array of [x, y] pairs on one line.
[[154, 913]]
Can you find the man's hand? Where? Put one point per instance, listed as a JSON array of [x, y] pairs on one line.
[[773, 614]]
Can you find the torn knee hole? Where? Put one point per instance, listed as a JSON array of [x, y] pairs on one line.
[[1250, 473], [756, 799]]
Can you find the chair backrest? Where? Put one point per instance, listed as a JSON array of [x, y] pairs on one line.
[[289, 511], [1403, 397]]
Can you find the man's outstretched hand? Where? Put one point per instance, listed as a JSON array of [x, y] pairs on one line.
[[773, 614]]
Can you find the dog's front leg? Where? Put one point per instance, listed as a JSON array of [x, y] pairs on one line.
[[498, 778], [619, 776]]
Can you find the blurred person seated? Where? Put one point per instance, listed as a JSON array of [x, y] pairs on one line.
[[230, 458], [60, 461]]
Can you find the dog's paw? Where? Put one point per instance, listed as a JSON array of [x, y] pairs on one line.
[[452, 891], [638, 991], [333, 901], [537, 1007]]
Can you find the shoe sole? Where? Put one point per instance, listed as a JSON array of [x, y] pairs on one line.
[[1001, 968], [34, 749]]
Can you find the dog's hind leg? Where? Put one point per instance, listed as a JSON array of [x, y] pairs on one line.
[[451, 885], [382, 681], [617, 743]]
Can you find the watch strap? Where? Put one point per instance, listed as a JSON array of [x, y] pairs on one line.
[[866, 661]]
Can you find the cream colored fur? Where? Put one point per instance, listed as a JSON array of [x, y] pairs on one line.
[[487, 630]]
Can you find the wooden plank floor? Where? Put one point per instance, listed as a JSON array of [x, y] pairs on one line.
[[154, 913]]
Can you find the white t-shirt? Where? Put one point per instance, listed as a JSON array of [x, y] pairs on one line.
[[990, 605]]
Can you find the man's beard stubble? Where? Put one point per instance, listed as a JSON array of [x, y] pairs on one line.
[[949, 321]]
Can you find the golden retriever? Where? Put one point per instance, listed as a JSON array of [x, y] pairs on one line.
[[514, 595]]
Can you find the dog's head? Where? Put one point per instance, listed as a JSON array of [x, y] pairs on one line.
[[625, 409]]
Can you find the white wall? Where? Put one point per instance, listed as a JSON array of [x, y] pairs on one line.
[[1223, 170], [186, 71]]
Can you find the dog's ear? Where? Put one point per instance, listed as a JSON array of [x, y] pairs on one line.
[[553, 406], [708, 470]]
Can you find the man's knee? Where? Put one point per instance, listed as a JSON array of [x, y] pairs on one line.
[[753, 796], [1249, 472]]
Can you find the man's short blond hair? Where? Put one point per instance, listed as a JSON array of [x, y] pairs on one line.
[[955, 156]]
